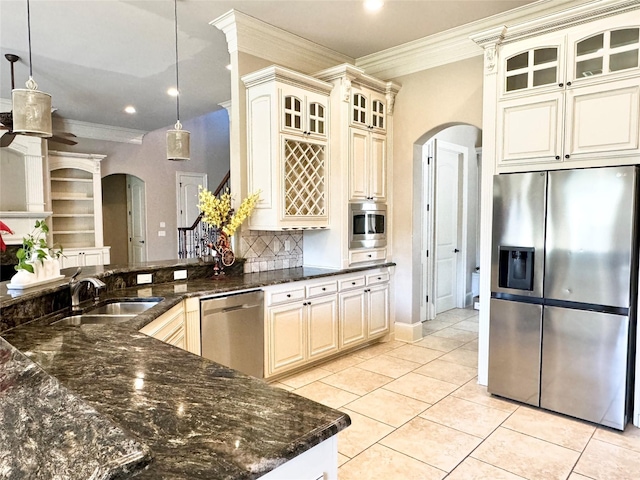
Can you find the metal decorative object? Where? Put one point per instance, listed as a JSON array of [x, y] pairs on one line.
[[178, 140], [31, 107]]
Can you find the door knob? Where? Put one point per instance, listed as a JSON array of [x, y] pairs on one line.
[[455, 250]]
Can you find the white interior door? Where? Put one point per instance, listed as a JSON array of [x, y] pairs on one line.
[[136, 224], [447, 192], [187, 185]]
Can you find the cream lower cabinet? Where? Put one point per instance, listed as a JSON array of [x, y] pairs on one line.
[[169, 327], [303, 328], [364, 308]]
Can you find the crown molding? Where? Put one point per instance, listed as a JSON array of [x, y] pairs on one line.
[[96, 131], [284, 75], [249, 35], [455, 44]]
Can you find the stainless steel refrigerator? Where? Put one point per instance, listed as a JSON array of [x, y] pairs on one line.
[[564, 289]]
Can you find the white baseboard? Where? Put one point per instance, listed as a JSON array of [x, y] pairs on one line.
[[408, 332]]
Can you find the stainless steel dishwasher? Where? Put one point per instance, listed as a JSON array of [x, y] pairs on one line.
[[232, 329]]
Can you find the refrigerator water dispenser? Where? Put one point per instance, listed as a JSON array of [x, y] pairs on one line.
[[516, 268]]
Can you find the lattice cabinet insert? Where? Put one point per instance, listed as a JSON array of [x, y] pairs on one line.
[[304, 178]]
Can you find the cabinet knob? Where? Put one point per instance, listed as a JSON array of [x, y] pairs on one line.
[[353, 283], [369, 255], [567, 156], [323, 289], [561, 84], [557, 157], [288, 295], [568, 84]]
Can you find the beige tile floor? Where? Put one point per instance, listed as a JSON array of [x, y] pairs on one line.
[[417, 412]]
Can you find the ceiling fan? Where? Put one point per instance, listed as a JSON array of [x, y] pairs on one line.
[[6, 118]]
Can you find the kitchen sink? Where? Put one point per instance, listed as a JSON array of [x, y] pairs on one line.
[[115, 312], [123, 308]]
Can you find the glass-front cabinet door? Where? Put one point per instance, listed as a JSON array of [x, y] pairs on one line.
[[540, 67]]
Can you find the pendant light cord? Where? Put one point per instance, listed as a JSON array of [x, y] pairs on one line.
[[29, 35], [175, 14]]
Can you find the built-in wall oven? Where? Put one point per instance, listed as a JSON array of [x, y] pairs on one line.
[[367, 225]]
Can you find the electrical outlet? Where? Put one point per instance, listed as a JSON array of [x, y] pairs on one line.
[[179, 274], [144, 278]]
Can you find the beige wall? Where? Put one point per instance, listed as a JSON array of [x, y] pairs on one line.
[[209, 154], [427, 100], [114, 217]]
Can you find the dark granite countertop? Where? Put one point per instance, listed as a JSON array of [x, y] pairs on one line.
[[198, 418]]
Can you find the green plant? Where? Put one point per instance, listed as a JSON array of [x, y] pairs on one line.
[[36, 242]]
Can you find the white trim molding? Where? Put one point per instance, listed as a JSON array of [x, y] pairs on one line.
[[97, 131], [408, 332], [255, 37]]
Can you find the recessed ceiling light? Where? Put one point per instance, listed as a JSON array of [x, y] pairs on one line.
[[229, 67], [130, 109], [173, 91], [373, 5]]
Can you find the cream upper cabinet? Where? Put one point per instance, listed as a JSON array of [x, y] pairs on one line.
[[76, 201], [368, 109], [303, 112], [367, 166], [565, 100], [289, 163]]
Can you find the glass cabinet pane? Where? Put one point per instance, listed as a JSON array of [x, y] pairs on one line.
[[588, 68], [627, 36], [545, 55], [517, 82], [359, 108], [545, 76], [518, 62], [624, 60], [590, 45], [292, 112]]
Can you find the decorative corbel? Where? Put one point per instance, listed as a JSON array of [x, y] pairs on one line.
[[346, 90], [490, 58], [391, 100]]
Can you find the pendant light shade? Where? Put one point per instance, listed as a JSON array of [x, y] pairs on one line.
[[178, 147], [31, 107], [178, 140]]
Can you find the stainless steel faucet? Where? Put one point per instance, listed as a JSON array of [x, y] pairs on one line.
[[75, 288]]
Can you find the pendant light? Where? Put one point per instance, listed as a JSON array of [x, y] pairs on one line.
[[178, 139], [31, 107]]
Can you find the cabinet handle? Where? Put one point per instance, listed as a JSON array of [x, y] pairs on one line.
[[369, 255], [323, 289], [567, 156], [379, 278], [353, 283], [557, 157], [288, 295]]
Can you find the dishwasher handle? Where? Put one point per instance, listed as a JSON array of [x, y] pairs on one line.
[[244, 306]]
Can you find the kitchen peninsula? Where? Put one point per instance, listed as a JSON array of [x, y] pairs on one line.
[[198, 419]]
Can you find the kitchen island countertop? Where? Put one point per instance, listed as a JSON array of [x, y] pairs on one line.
[[199, 419]]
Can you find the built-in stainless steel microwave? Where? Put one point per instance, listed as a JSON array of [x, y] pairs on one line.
[[367, 225]]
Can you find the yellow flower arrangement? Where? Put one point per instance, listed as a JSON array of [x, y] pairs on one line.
[[218, 213]]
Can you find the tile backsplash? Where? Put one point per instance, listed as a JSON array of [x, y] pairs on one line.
[[263, 250]]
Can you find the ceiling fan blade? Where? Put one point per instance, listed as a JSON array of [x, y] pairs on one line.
[[6, 139], [58, 139]]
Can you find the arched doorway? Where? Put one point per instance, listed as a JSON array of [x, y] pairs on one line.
[[448, 202], [124, 218]]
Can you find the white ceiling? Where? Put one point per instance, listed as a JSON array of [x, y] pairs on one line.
[[97, 56]]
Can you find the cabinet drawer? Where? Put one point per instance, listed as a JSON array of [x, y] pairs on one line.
[[275, 298], [376, 278], [351, 283], [322, 289], [367, 255]]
